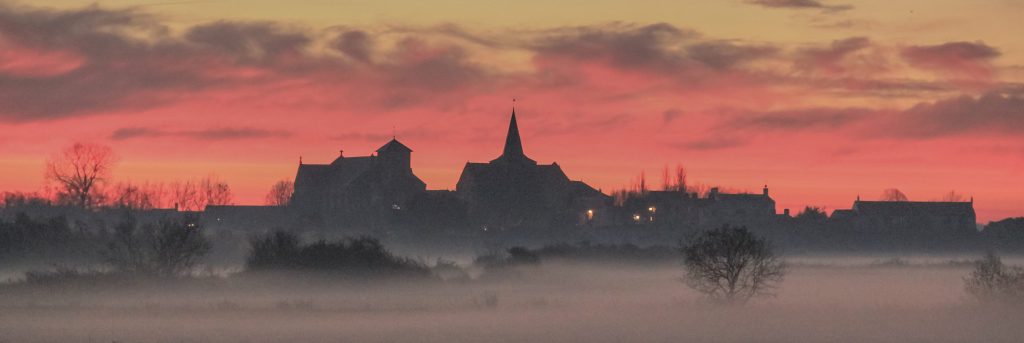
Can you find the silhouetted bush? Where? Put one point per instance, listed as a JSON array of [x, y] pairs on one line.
[[361, 256], [25, 239], [993, 282], [169, 249], [505, 264], [731, 265]]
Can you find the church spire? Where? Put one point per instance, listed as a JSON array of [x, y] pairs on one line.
[[513, 143]]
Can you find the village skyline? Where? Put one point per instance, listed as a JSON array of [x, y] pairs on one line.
[[821, 101]]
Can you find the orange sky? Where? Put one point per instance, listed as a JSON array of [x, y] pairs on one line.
[[822, 101]]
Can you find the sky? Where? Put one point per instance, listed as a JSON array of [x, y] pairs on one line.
[[822, 101]]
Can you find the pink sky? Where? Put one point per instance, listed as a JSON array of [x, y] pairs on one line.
[[821, 103]]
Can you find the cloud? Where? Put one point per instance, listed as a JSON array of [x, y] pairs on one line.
[[715, 142], [965, 59], [992, 113], [212, 134], [723, 55], [830, 60], [355, 44], [672, 114], [800, 4], [799, 119]]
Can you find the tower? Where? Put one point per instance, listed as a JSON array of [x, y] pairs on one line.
[[396, 155]]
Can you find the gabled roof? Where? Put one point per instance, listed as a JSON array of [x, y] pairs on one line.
[[914, 208], [393, 145]]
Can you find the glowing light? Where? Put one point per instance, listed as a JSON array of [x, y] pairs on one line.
[[590, 214]]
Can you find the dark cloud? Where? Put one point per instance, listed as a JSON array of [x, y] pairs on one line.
[[958, 57], [801, 4], [715, 142], [355, 44], [830, 59], [799, 119], [991, 113], [657, 47], [671, 114], [249, 42], [723, 55], [212, 134]]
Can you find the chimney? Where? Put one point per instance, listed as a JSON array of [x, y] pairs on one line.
[[765, 191], [341, 153], [713, 193], [785, 212]]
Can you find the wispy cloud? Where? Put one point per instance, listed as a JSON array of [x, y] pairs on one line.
[[212, 134]]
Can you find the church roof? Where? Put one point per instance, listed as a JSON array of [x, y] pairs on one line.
[[394, 145]]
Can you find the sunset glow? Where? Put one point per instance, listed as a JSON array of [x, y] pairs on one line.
[[821, 103]]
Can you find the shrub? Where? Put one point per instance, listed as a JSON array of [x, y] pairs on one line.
[[361, 256], [993, 282]]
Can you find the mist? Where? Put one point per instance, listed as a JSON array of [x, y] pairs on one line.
[[832, 298]]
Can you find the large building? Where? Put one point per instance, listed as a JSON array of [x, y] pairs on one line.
[[513, 190], [357, 190], [931, 217]]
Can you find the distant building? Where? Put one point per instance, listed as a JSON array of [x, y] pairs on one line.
[[909, 216], [513, 190], [738, 209], [357, 190]]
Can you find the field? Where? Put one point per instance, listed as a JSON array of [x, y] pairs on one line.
[[823, 301]]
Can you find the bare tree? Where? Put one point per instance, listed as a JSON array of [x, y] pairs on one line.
[[666, 182], [893, 194], [280, 193], [146, 196], [993, 282], [186, 195], [731, 265], [214, 192], [953, 196], [680, 184], [80, 170]]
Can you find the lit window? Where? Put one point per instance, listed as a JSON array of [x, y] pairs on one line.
[[590, 214], [636, 218], [652, 209]]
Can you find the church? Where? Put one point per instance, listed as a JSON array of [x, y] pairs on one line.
[[513, 190], [357, 191], [510, 191]]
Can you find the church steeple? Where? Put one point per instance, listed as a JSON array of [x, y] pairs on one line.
[[513, 144]]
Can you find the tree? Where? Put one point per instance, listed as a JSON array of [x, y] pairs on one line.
[[731, 265], [79, 170], [169, 249], [215, 192], [893, 194], [177, 247], [280, 193], [138, 197], [952, 196], [813, 214], [993, 282]]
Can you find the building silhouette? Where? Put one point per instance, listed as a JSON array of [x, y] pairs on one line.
[[513, 190], [357, 190]]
